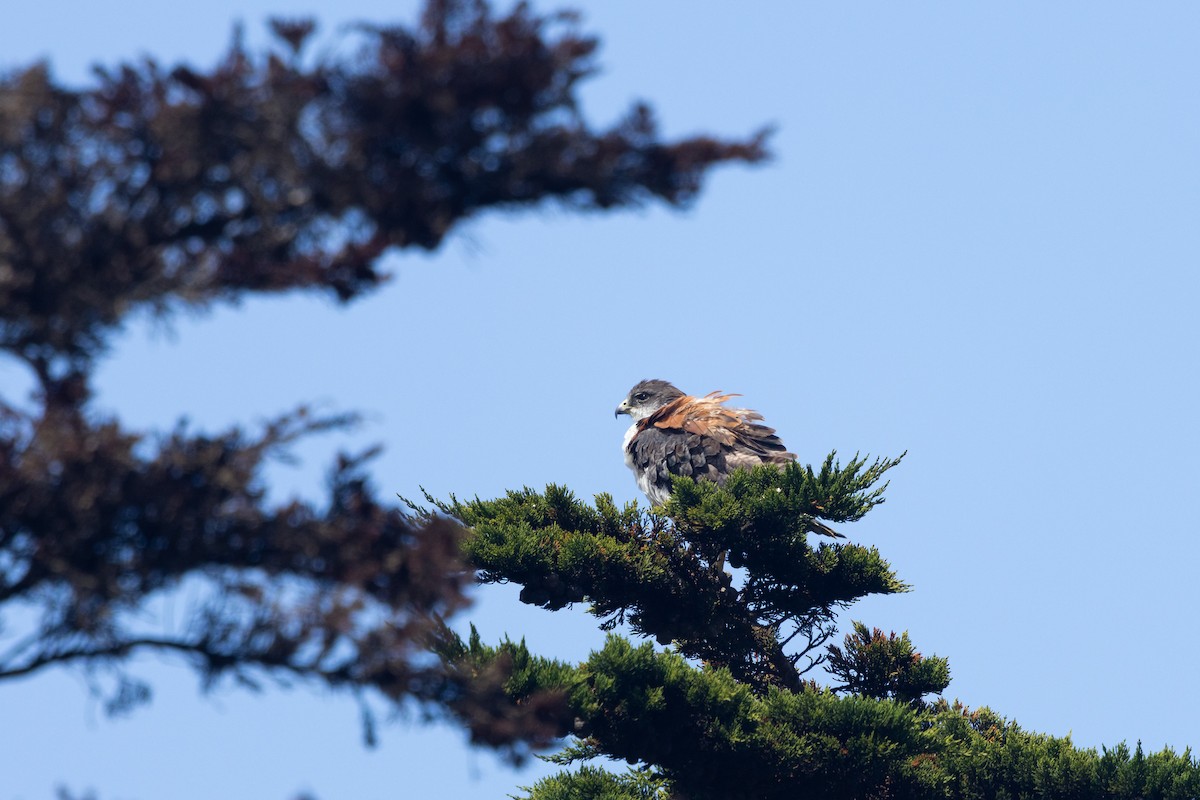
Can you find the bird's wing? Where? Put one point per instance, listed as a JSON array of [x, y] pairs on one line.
[[658, 453], [744, 440], [701, 438]]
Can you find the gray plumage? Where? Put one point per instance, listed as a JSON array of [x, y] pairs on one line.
[[677, 434]]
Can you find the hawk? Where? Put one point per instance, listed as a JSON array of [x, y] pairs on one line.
[[678, 434]]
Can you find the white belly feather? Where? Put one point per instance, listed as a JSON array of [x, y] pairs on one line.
[[656, 496], [629, 434]]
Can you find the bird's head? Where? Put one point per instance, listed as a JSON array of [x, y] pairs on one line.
[[646, 398]]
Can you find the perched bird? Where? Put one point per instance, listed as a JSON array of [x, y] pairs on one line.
[[677, 434]]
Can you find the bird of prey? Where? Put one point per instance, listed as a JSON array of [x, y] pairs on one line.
[[678, 434]]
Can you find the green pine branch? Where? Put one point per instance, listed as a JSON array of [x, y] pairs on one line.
[[836, 493], [701, 734], [880, 665], [593, 783], [631, 567], [665, 577], [724, 714]]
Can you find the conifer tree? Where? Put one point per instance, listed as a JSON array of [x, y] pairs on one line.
[[159, 189], [734, 704]]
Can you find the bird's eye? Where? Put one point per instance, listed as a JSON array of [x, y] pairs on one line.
[[640, 397]]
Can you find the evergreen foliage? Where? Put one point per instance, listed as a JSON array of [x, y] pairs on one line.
[[593, 783], [156, 189], [722, 713], [665, 576], [878, 665]]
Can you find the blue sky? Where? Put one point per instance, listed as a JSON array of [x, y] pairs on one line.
[[977, 242]]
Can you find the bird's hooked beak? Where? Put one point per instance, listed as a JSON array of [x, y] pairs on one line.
[[622, 409]]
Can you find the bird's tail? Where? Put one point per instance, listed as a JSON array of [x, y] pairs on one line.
[[816, 526]]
